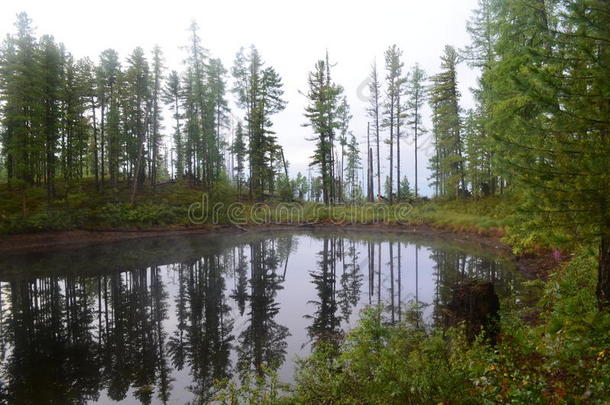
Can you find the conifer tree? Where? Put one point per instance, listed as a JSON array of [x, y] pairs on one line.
[[137, 93], [259, 91], [216, 87], [481, 55], [51, 67], [551, 109], [155, 119], [447, 164], [21, 93], [322, 113], [416, 93], [74, 134], [405, 189], [239, 149], [109, 81], [374, 112], [172, 96], [352, 167], [392, 115], [344, 117], [198, 110], [89, 88]]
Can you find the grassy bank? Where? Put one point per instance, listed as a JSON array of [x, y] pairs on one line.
[[168, 205], [85, 208]]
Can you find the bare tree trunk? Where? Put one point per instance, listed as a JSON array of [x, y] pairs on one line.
[[95, 154], [603, 272], [415, 136], [369, 168], [136, 172], [102, 141], [398, 151], [378, 164]]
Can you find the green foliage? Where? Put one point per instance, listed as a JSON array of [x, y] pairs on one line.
[[486, 216], [405, 189], [447, 163], [259, 389], [316, 188], [285, 188], [63, 118], [352, 189], [324, 115], [222, 190], [146, 215], [393, 114], [379, 364], [416, 93], [259, 91], [301, 185], [54, 220], [387, 187], [239, 150], [546, 102]]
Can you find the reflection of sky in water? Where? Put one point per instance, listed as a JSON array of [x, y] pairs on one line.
[[298, 296]]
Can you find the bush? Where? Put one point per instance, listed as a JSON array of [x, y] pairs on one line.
[[285, 188], [145, 215], [52, 220]]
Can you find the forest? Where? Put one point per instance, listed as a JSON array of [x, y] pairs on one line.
[[122, 141]]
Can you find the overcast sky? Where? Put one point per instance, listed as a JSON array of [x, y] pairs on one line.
[[290, 35]]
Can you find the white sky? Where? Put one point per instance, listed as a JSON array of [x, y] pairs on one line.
[[290, 35]]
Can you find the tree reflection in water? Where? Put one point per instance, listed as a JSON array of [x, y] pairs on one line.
[[263, 342], [174, 323]]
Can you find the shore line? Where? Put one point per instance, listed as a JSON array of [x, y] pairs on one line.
[[533, 265]]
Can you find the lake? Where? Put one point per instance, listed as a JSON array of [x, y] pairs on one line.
[[158, 321]]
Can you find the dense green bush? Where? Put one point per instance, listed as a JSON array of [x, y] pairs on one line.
[[144, 215], [51, 220], [108, 215]]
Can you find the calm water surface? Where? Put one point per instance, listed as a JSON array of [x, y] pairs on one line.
[[159, 321]]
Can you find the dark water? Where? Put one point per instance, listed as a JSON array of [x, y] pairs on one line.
[[158, 321]]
